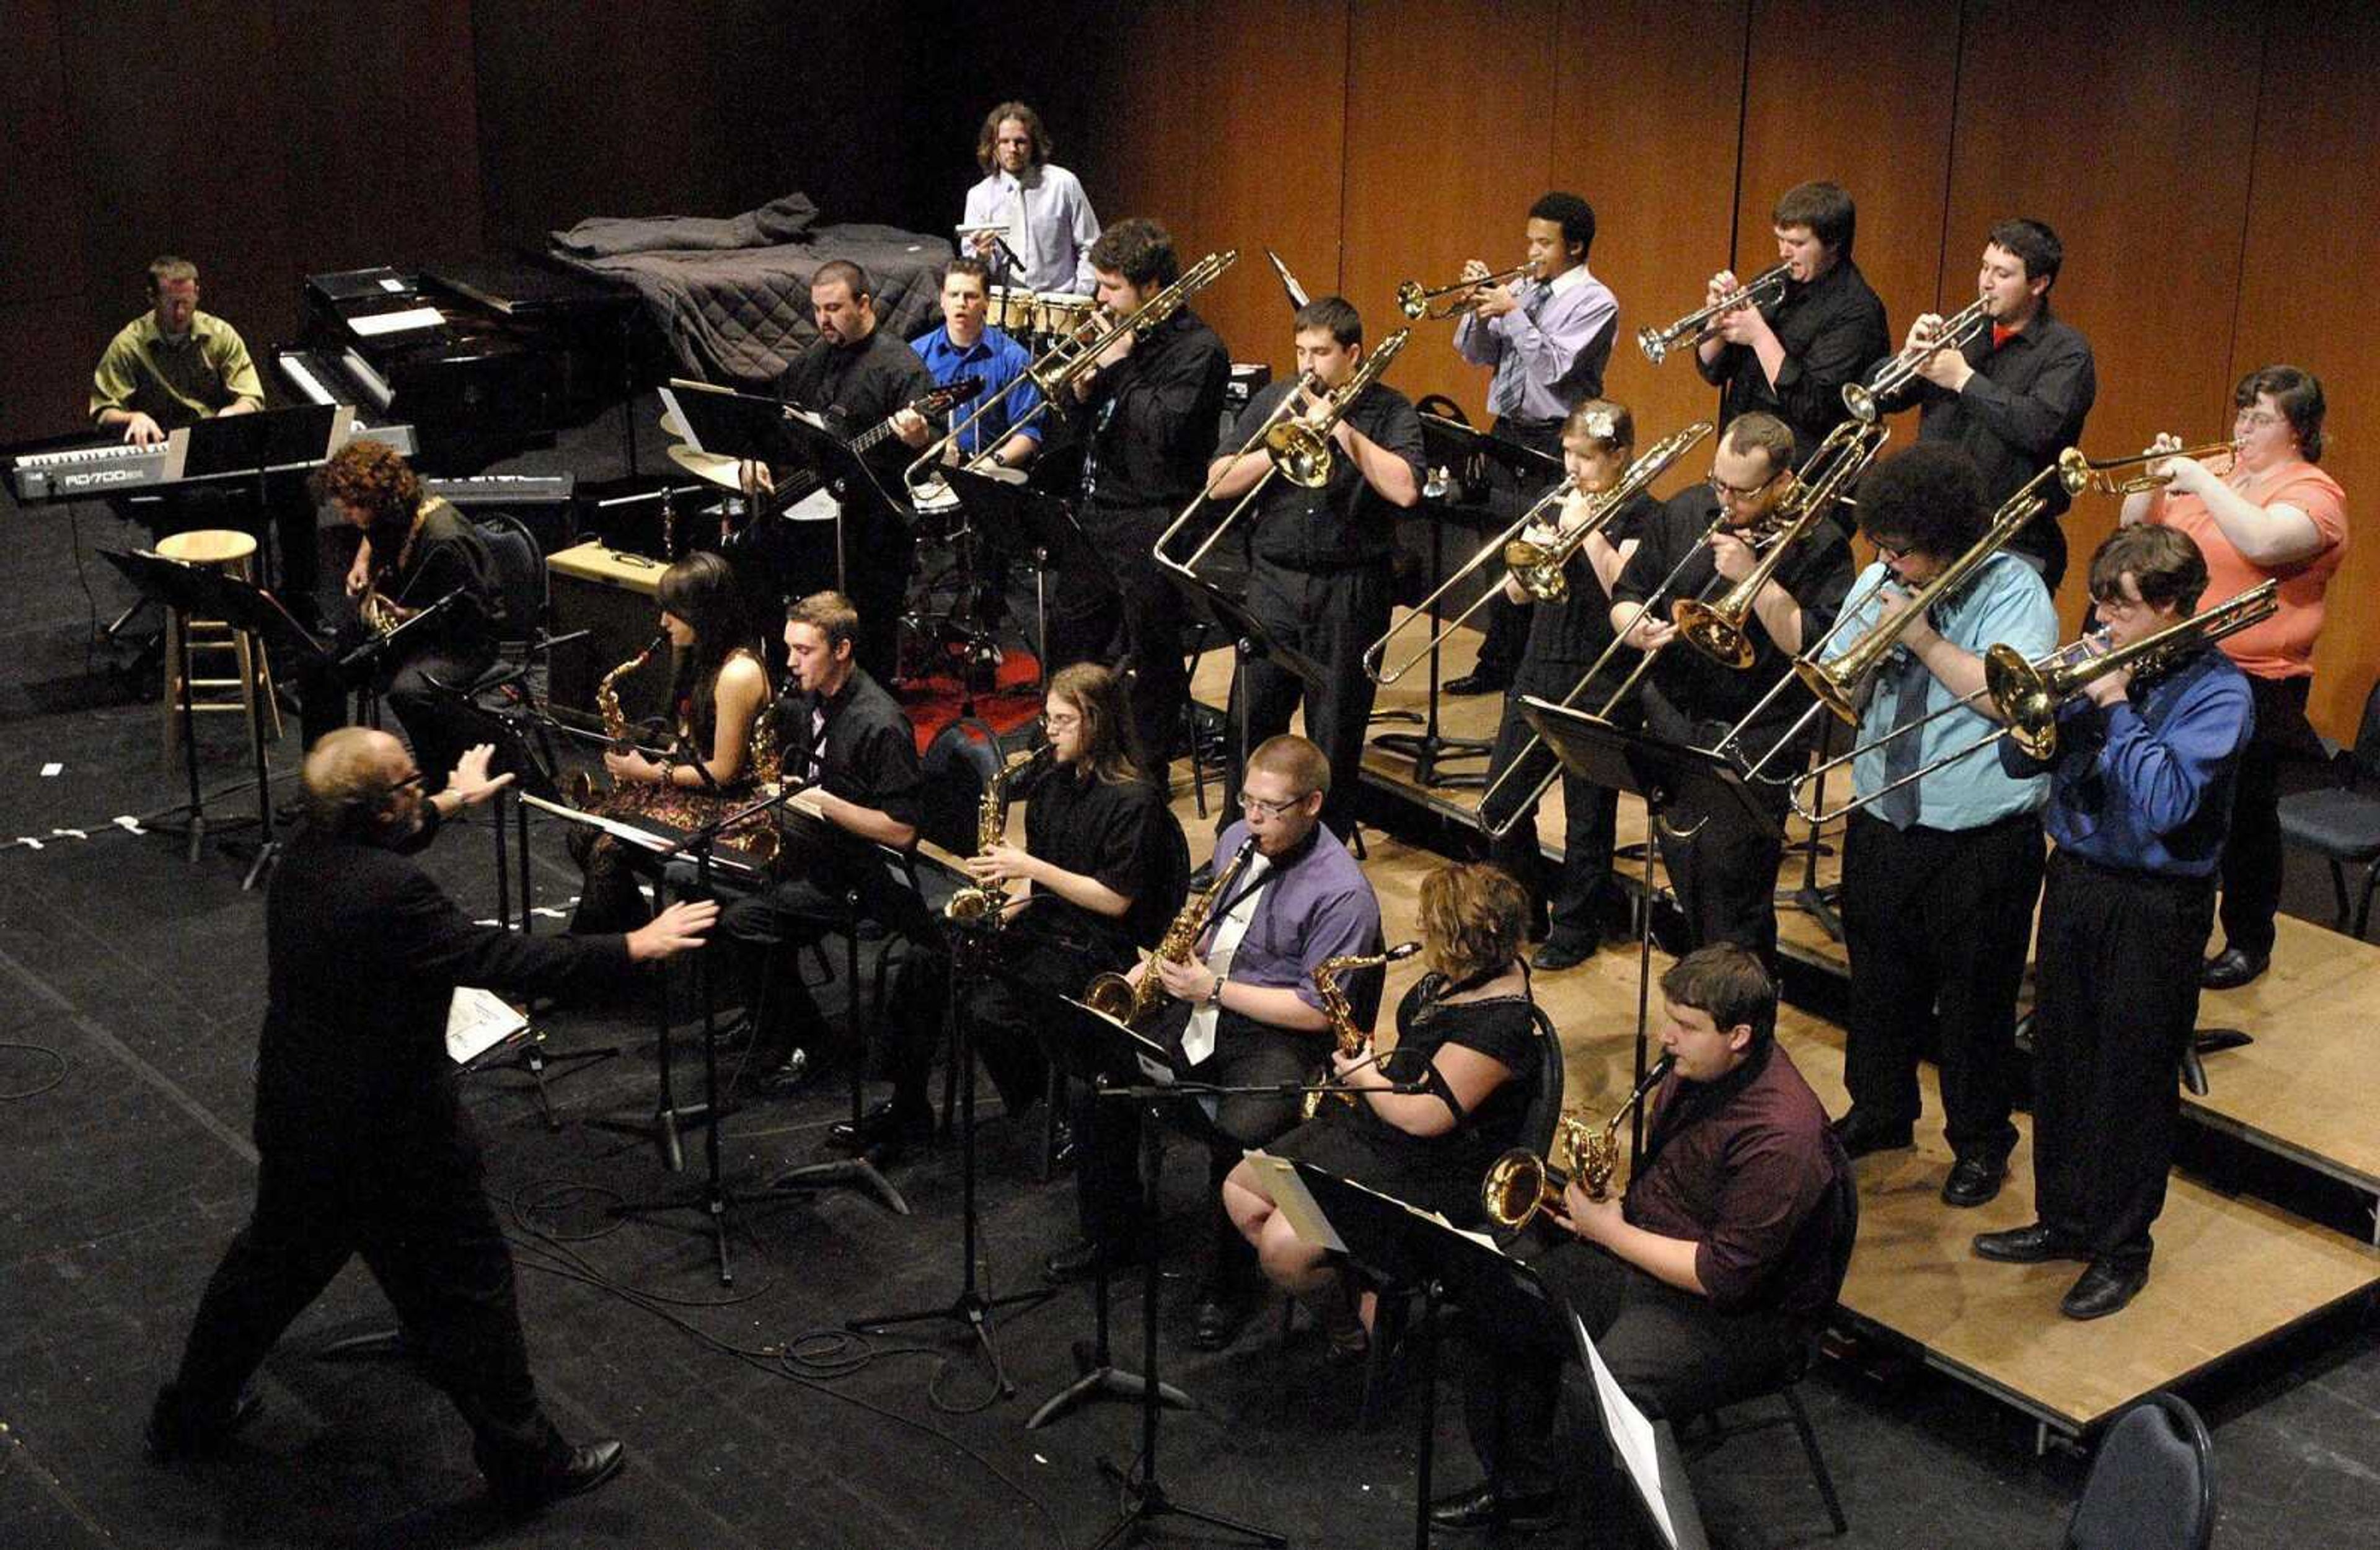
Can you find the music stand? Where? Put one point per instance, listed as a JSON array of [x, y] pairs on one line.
[[1664, 774], [266, 443], [757, 429], [1026, 525], [1101, 1051], [1250, 641], [1447, 443]]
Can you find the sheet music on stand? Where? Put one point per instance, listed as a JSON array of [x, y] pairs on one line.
[[478, 1021]]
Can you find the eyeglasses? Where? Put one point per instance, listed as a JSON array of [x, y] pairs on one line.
[[2258, 418], [1891, 550], [1061, 723], [416, 779], [1270, 809], [1727, 491]]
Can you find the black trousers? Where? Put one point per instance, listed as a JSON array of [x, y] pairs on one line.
[[1584, 889], [436, 729], [999, 1021], [1937, 922], [1121, 588], [1724, 873], [1505, 627], [1107, 1174], [1671, 1352], [772, 927], [422, 1224], [2115, 1001], [1330, 616], [2251, 851]]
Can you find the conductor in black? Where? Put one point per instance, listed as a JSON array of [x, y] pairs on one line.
[[362, 1146]]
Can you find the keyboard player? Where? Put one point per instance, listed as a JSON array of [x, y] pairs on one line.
[[172, 367]]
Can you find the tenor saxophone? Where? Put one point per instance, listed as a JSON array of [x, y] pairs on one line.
[[1342, 1012], [1131, 1004], [1520, 1184], [584, 792], [978, 903]]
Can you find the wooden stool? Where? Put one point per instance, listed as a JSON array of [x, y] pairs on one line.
[[228, 551]]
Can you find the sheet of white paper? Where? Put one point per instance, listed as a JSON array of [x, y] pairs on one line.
[[407, 321], [477, 1020], [1633, 1437]]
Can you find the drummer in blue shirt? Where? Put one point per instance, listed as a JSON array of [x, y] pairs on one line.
[[966, 346]]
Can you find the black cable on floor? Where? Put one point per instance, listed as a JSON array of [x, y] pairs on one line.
[[46, 1052]]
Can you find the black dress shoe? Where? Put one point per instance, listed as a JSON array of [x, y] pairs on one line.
[[1215, 1322], [1475, 683], [2028, 1245], [886, 1123], [2103, 1289], [1082, 1261], [1563, 950], [1481, 1508], [174, 1433], [1974, 1181], [783, 1080], [2228, 970], [1863, 1134], [586, 1467]]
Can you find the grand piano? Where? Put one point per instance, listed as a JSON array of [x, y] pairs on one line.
[[480, 356]]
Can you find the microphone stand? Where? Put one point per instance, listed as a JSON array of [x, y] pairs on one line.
[[715, 1199]]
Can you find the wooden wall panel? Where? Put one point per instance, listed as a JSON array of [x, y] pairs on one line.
[[2098, 122], [1447, 148], [1662, 183], [41, 250], [2306, 297], [1859, 95]]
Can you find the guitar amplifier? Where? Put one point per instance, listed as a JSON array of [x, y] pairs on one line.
[[612, 597]]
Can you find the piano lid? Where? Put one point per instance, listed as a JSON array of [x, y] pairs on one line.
[[527, 288]]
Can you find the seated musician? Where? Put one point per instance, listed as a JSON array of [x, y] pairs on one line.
[[1939, 873], [718, 688], [2140, 791], [1319, 576], [1101, 871], [968, 347], [1564, 640], [1707, 1274], [1250, 1015], [844, 736], [1467, 1032], [1725, 869], [174, 365], [417, 552]]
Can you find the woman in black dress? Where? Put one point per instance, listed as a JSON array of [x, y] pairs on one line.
[[1467, 1031]]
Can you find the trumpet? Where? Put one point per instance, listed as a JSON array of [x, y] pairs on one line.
[[1413, 300], [1865, 400], [1298, 448], [1718, 629], [1656, 343], [1536, 567], [1520, 1184], [2027, 697], [1342, 1012], [2082, 473], [1078, 349]]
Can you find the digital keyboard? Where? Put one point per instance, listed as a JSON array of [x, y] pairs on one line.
[[119, 468], [505, 489]]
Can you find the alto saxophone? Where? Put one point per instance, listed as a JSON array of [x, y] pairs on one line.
[[1342, 1012], [1131, 1004], [978, 903], [1520, 1184], [583, 789]]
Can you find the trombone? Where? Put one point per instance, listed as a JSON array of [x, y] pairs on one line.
[[1413, 299], [1656, 343], [1718, 629], [1538, 566], [2082, 473], [1865, 401], [1298, 448], [1079, 348]]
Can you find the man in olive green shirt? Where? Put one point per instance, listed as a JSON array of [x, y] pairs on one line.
[[174, 365]]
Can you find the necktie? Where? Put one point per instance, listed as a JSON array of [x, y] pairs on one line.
[[1899, 808]]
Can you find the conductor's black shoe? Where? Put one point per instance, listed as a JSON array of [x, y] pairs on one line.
[[175, 1432], [1564, 950], [887, 1123], [587, 1467], [783, 1080], [1081, 1261], [2104, 1290], [1481, 1508], [2028, 1245], [1476, 683], [1862, 1133], [2232, 968], [1974, 1181], [1215, 1322]]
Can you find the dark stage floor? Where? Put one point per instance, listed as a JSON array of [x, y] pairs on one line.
[[129, 992]]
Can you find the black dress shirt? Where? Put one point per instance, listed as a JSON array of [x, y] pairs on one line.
[[1345, 522], [1574, 631], [1152, 417], [2025, 405], [857, 386], [1120, 833], [1833, 331], [857, 744], [447, 555], [1691, 697]]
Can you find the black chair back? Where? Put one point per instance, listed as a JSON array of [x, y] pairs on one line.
[[2365, 757], [2151, 1486], [1546, 1106], [520, 578], [958, 766]]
